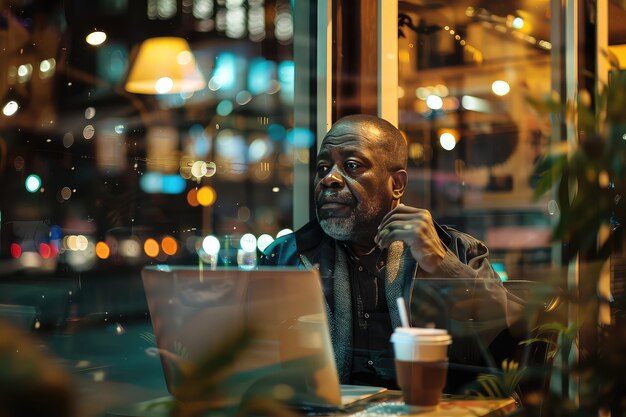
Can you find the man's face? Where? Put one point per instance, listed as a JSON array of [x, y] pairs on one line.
[[353, 188]]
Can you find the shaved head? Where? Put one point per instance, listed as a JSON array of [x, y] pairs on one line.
[[385, 136]]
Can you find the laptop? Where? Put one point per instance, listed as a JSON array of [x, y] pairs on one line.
[[285, 352]]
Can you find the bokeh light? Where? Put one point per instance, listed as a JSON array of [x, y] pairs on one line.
[[434, 102], [151, 247], [500, 88], [96, 38], [192, 197], [164, 85], [66, 193], [206, 196], [211, 245], [10, 108], [248, 242], [447, 141], [45, 250], [16, 250], [130, 248], [198, 169], [169, 245], [32, 183], [283, 233], [88, 132], [264, 241], [102, 250]]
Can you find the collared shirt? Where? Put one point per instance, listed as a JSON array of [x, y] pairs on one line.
[[372, 356]]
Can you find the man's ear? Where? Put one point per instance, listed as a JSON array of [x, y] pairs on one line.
[[398, 183]]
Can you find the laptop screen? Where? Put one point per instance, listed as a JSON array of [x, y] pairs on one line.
[[199, 317]]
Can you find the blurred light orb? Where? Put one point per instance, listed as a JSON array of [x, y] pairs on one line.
[[243, 97], [447, 141], [264, 241], [257, 150], [434, 102], [66, 193], [44, 66], [275, 189], [10, 108], [422, 93], [24, 70], [119, 129], [45, 250], [81, 242], [206, 196], [211, 168], [211, 245], [163, 85], [184, 57], [518, 23], [283, 233], [70, 243], [224, 108], [151, 247], [248, 242], [169, 245], [199, 169], [16, 250], [68, 139], [500, 88], [102, 250], [96, 38], [32, 183], [90, 112], [88, 132], [130, 248], [192, 197]]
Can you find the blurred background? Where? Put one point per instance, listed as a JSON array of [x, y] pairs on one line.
[[147, 132]]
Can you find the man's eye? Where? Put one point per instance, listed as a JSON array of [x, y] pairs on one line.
[[322, 170], [351, 166]]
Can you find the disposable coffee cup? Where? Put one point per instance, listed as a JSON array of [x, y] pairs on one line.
[[421, 359]]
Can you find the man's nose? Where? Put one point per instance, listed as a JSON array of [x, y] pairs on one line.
[[333, 179]]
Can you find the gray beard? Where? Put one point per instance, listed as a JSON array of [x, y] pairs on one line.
[[339, 228], [344, 228]]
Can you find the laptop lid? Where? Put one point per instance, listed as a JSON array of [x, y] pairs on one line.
[[197, 312]]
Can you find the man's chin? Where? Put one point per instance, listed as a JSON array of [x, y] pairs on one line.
[[339, 228]]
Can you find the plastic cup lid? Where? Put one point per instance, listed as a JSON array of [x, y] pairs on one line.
[[421, 335]]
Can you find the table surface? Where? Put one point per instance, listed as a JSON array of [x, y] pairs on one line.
[[387, 405]]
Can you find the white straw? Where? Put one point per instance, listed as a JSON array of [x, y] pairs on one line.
[[404, 318]]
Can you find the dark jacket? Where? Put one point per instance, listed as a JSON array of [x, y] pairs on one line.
[[473, 310]]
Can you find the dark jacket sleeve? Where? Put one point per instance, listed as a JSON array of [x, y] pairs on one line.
[[476, 311]]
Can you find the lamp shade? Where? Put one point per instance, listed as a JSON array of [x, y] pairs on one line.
[[164, 65]]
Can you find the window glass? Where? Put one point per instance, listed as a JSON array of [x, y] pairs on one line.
[[136, 133], [465, 71]]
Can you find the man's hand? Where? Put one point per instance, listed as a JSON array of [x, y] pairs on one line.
[[415, 228]]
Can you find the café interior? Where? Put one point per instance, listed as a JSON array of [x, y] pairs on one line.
[[185, 132]]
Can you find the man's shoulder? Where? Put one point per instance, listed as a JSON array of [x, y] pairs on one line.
[[286, 250]]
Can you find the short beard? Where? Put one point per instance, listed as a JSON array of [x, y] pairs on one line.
[[345, 228], [339, 228]]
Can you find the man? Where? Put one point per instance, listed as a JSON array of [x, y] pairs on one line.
[[371, 249]]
